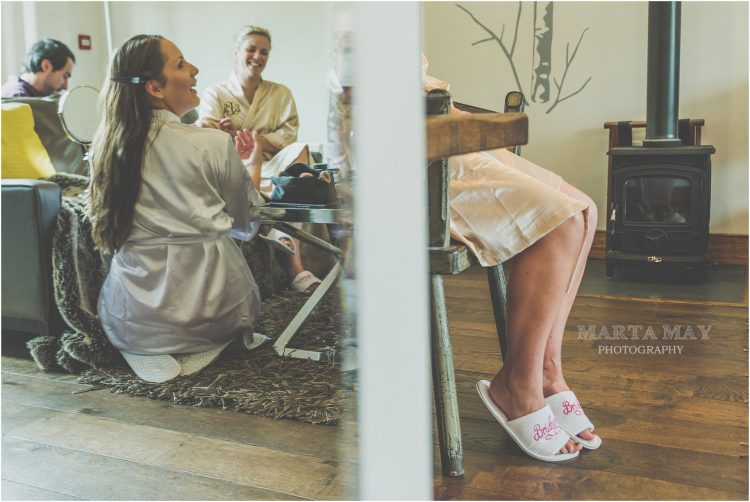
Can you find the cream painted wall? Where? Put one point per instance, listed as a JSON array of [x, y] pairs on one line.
[[26, 22], [571, 140], [13, 44], [204, 31]]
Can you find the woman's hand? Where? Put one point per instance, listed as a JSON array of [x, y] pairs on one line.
[[244, 142], [210, 123], [226, 125]]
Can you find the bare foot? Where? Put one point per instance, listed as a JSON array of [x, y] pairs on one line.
[[287, 242], [518, 400]]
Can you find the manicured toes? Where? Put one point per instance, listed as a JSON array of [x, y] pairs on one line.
[[586, 434], [570, 447]]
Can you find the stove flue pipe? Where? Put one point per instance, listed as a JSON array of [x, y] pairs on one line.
[[662, 105]]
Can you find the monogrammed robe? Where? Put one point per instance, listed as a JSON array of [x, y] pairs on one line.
[[273, 114]]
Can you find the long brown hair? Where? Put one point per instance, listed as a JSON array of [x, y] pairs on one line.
[[119, 142]]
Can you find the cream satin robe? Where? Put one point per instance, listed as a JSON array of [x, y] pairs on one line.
[[502, 203], [272, 113], [180, 283]]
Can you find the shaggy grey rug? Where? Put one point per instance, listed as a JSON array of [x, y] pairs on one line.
[[260, 383]]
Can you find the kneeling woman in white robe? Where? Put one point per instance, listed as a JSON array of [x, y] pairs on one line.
[[164, 197]]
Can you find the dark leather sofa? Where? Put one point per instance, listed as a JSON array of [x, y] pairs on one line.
[[29, 213]]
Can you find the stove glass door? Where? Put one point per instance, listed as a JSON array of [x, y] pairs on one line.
[[658, 200]]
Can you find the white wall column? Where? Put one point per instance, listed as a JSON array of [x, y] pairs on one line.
[[13, 40], [108, 32], [30, 23], [395, 424]]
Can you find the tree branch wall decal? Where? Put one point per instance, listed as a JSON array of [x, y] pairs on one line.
[[542, 53], [568, 62], [539, 90], [499, 39]]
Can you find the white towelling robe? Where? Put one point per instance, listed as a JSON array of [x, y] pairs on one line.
[[273, 114]]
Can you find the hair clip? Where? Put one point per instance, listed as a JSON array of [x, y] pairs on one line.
[[129, 80]]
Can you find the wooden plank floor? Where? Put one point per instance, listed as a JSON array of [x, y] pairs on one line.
[[673, 426], [57, 445]]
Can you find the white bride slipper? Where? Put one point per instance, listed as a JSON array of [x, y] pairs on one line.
[[252, 341], [192, 363], [304, 280], [156, 368], [537, 433], [275, 239], [572, 419]]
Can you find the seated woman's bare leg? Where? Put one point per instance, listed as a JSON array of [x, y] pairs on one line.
[[303, 157], [553, 380], [540, 277], [293, 263]]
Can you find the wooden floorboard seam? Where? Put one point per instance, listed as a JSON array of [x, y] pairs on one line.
[[47, 378], [710, 303], [56, 492]]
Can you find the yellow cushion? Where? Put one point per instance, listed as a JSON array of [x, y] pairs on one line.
[[23, 155]]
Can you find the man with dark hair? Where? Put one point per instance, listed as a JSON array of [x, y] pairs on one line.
[[48, 66]]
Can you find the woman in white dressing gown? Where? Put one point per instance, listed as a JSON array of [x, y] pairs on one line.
[[179, 283], [166, 204], [509, 210], [500, 202], [247, 101], [272, 114]]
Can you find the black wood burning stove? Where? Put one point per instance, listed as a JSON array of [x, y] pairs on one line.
[[659, 193]]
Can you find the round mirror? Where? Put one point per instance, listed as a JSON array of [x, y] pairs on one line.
[[79, 113]]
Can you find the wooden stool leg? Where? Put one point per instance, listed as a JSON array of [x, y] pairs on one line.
[[444, 385], [498, 287]]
